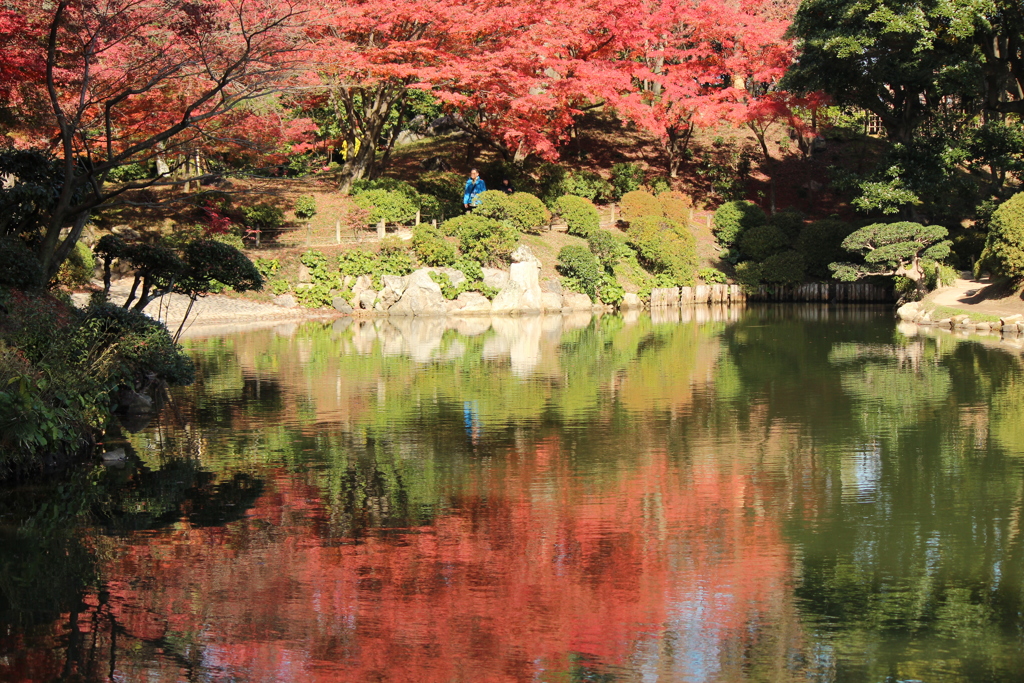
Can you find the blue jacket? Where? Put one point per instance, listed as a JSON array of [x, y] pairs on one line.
[[473, 188]]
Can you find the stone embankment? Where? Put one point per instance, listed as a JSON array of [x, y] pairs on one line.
[[921, 314]]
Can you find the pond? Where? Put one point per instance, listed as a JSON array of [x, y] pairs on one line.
[[801, 493]]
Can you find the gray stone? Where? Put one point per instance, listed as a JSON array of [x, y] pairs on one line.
[[394, 288], [1014, 319], [909, 312], [523, 254], [304, 274], [455, 276], [522, 292], [366, 299], [553, 286], [495, 278], [341, 305], [982, 327], [469, 303], [551, 301], [576, 301], [422, 296], [134, 403], [631, 301], [285, 301]]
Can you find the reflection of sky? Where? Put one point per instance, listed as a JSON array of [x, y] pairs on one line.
[[862, 472], [696, 639]]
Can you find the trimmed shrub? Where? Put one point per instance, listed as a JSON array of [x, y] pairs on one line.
[[784, 268], [493, 204], [1004, 248], [626, 178], [263, 216], [712, 276], [431, 247], [527, 212], [676, 206], [821, 243], [393, 257], [581, 269], [481, 238], [606, 248], [440, 195], [660, 185], [748, 274], [390, 206], [637, 204], [305, 207], [589, 185], [666, 247], [579, 214], [790, 222], [19, 267], [733, 218], [761, 241]]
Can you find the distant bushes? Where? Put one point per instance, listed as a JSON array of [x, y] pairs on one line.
[[664, 246], [520, 210], [579, 214], [483, 239], [733, 218], [637, 204]]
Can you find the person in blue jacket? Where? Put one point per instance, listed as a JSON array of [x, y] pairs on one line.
[[474, 186]]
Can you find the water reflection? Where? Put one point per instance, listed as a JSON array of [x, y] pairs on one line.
[[781, 494]]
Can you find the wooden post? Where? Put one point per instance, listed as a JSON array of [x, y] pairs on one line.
[[417, 216], [613, 215], [709, 221], [337, 232], [381, 231], [433, 223], [308, 234]]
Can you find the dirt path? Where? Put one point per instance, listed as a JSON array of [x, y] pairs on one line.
[[212, 310], [977, 295]]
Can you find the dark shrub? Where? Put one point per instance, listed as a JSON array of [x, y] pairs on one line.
[[821, 243], [761, 241], [581, 269], [733, 218], [784, 268], [19, 267], [627, 178]]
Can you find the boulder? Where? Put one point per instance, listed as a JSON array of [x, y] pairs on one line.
[[341, 305], [495, 278], [285, 301], [455, 276], [134, 403], [945, 322], [522, 292], [366, 299], [304, 275], [422, 296], [394, 288], [909, 312], [1011, 319], [982, 327], [469, 303], [576, 301], [553, 286], [631, 301], [523, 254], [551, 301]]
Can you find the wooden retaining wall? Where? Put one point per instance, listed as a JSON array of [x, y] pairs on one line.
[[814, 292]]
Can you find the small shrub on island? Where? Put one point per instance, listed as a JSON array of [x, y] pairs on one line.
[[676, 206], [430, 246], [482, 239], [390, 206], [627, 178], [607, 248], [579, 214], [581, 269], [733, 218]]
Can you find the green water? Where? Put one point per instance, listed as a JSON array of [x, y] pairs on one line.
[[774, 494]]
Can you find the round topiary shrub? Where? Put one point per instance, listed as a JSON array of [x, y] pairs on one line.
[[589, 185], [493, 204], [440, 194], [579, 214], [733, 218], [664, 247], [789, 221], [527, 212], [821, 243], [637, 204], [627, 178], [1004, 247], [784, 268], [431, 247], [581, 269], [676, 206], [481, 238], [390, 206], [761, 241], [19, 267]]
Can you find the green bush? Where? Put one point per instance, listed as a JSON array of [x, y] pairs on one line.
[[431, 247], [482, 239], [606, 248], [389, 184], [626, 178], [305, 207], [733, 218], [581, 269], [637, 204], [666, 247], [493, 204], [356, 262], [790, 222], [526, 212], [589, 185], [748, 274], [78, 267], [1004, 247], [761, 241], [712, 276], [129, 172], [440, 195], [821, 243], [390, 206], [393, 257], [263, 216], [676, 206], [660, 186], [579, 214], [784, 268], [611, 292], [19, 267], [938, 274]]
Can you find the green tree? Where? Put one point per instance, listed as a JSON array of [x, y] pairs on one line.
[[1004, 248], [893, 249]]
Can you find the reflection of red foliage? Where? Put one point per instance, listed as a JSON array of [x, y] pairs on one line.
[[530, 564]]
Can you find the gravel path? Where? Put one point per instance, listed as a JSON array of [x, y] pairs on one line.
[[973, 295]]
